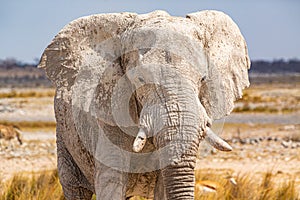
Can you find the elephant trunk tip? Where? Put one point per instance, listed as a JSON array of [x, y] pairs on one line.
[[139, 141]]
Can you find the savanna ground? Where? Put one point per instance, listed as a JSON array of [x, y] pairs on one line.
[[264, 131]]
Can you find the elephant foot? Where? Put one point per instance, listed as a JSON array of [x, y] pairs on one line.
[[79, 193]]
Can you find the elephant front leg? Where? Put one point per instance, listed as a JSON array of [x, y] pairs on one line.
[[159, 191], [110, 183], [112, 162], [74, 183]]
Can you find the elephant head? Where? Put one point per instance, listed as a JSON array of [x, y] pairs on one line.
[[168, 76]]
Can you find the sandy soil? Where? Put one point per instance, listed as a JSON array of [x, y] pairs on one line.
[[254, 152], [37, 153]]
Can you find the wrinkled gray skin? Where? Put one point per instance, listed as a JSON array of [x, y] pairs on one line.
[[197, 67]]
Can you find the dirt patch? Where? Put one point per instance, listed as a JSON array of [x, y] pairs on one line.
[[37, 153]]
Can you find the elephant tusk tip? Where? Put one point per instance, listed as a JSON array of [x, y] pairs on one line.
[[216, 141], [226, 147], [139, 141]]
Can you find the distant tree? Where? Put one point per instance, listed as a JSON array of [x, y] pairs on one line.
[[10, 63], [276, 66]]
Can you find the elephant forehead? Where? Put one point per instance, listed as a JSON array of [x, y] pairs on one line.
[[162, 33], [178, 24], [165, 46]]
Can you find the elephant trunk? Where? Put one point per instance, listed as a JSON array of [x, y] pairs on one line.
[[178, 159], [179, 145], [177, 124], [179, 182]]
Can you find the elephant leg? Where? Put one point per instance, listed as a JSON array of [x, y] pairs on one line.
[[112, 163], [71, 178], [110, 183], [159, 190]]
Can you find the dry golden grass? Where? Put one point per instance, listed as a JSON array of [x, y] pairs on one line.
[[29, 125], [26, 93], [46, 186], [268, 98], [249, 187], [32, 186], [295, 137]]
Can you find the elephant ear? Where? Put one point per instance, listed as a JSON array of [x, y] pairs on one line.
[[83, 61], [227, 62]]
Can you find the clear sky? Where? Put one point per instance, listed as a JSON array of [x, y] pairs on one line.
[[270, 27]]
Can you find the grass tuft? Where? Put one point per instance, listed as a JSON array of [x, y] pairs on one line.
[[295, 137], [32, 186]]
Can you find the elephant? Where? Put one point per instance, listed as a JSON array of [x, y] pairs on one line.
[[135, 96]]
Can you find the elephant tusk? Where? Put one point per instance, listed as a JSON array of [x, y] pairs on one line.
[[139, 141], [217, 142]]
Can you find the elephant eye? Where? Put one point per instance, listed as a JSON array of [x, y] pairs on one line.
[[203, 78], [141, 79]]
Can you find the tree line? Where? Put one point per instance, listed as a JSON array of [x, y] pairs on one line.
[[258, 66]]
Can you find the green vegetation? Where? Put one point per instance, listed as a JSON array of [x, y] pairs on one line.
[[46, 186]]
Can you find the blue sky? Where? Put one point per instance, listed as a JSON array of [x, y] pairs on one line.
[[271, 27]]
